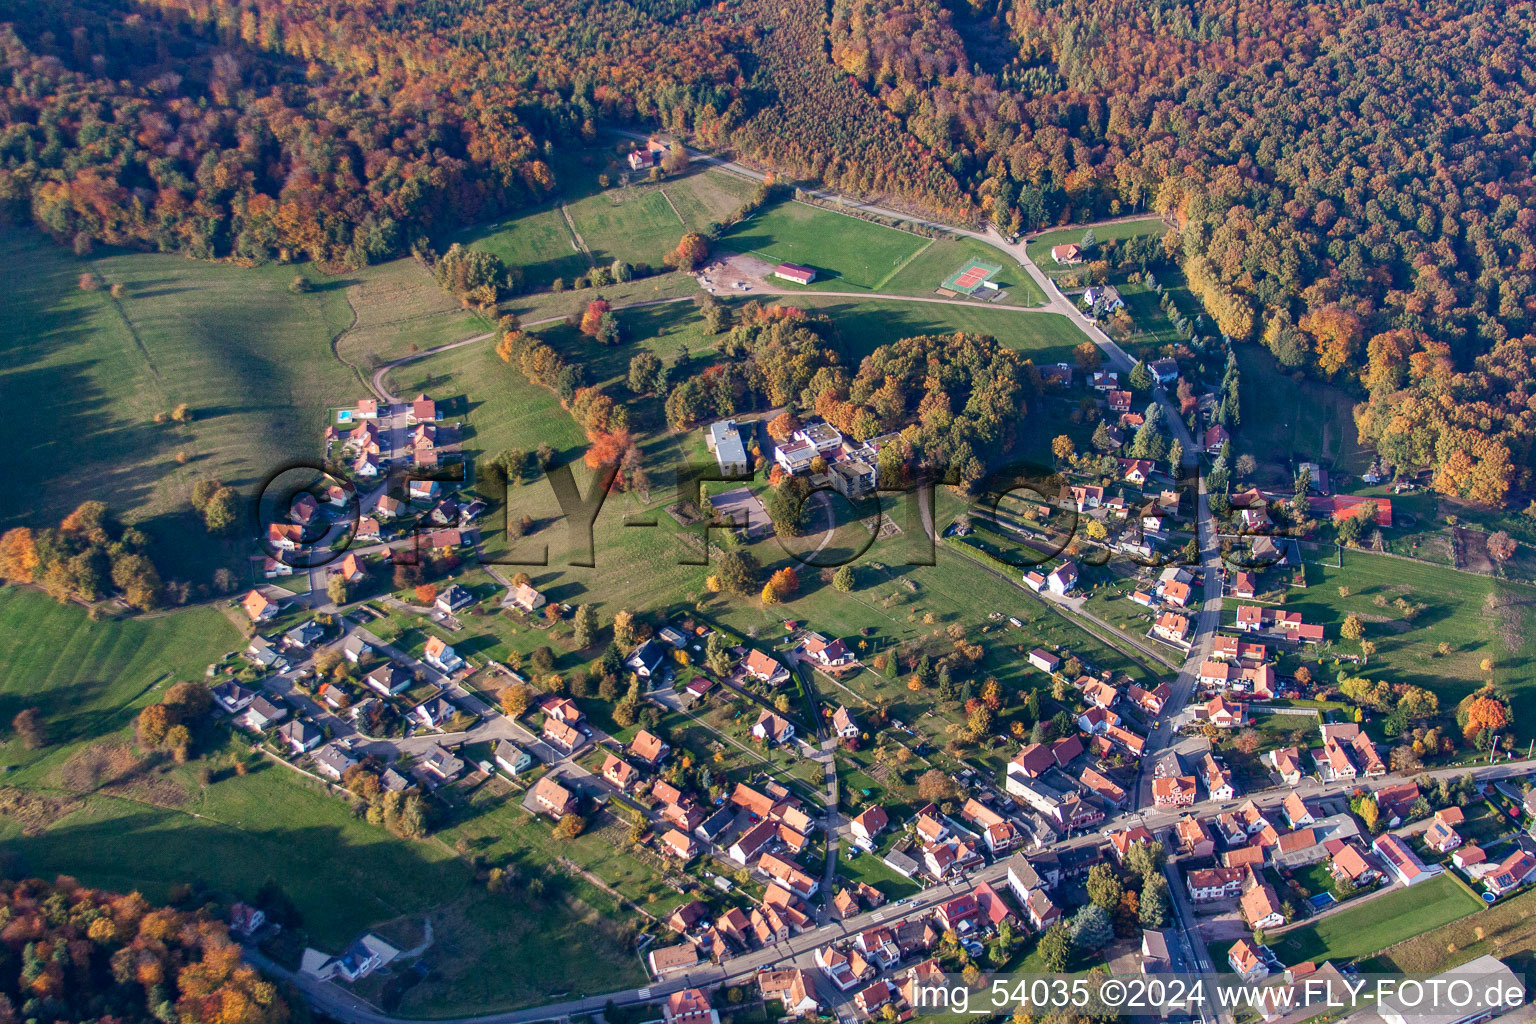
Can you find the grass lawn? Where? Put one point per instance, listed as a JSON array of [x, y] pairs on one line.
[[1039, 247], [89, 678], [870, 869], [1377, 923], [944, 256], [1478, 616], [1505, 929], [638, 223], [249, 357], [1287, 420], [539, 242], [865, 325], [400, 309], [847, 253]]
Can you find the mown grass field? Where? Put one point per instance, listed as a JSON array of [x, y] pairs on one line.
[[88, 678], [1376, 923], [250, 358], [1287, 420], [944, 256], [637, 223], [1478, 616], [540, 242], [847, 253], [400, 309], [866, 324]]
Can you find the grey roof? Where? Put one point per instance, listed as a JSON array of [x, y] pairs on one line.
[[726, 441], [266, 709]]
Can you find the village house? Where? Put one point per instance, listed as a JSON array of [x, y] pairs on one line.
[[1511, 873], [649, 749], [1174, 791], [1207, 885], [512, 759], [1261, 907], [831, 656], [772, 729], [552, 798], [764, 668], [441, 656]]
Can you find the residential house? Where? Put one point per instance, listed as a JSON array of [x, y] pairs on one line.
[[751, 843], [762, 667], [258, 607], [1440, 837], [843, 724], [646, 658], [1175, 791], [649, 749], [1261, 907], [679, 844], [1401, 861], [793, 988], [870, 999], [1394, 801], [1067, 255], [301, 735], [1121, 840], [869, 824], [1062, 579], [1246, 961], [689, 1006], [232, 697], [832, 656], [1207, 885], [433, 712], [1194, 839], [1111, 794], [1468, 857], [525, 597], [354, 648], [441, 764], [512, 759], [562, 737], [1172, 627], [1296, 812], [619, 772], [1512, 872], [440, 655], [1151, 701], [1349, 863], [1218, 780], [552, 798], [1287, 764], [388, 680], [772, 729], [333, 762], [263, 713], [1225, 714]]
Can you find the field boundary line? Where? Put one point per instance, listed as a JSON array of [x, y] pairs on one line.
[[670, 203], [903, 265], [576, 239]]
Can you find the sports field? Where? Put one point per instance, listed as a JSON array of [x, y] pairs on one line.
[[971, 275], [848, 254]]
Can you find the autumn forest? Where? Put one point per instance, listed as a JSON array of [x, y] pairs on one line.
[[1348, 184]]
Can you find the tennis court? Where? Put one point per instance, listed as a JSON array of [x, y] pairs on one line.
[[971, 276]]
